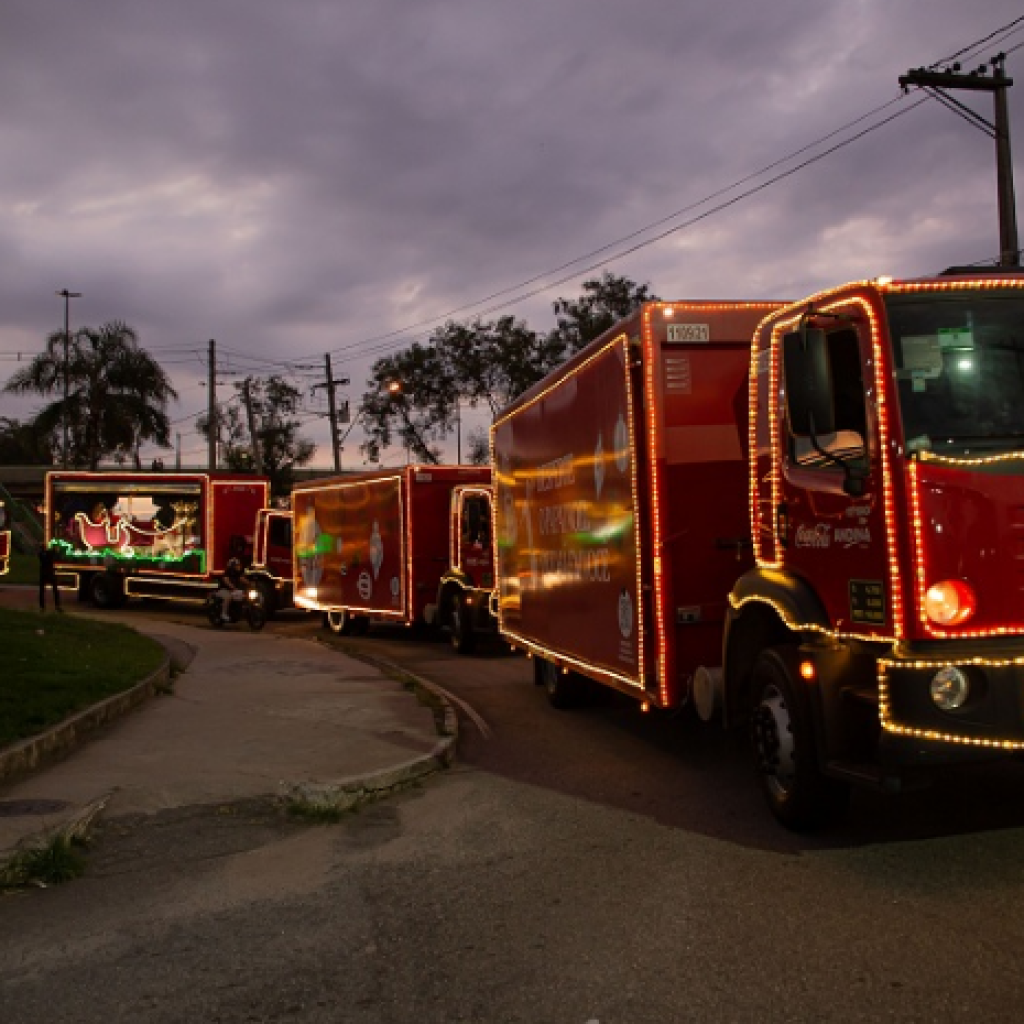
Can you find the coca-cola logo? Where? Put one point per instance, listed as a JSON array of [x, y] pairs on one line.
[[821, 535], [816, 536]]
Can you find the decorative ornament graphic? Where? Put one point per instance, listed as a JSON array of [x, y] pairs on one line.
[[311, 563], [364, 585], [625, 614], [599, 466], [376, 549], [621, 444]]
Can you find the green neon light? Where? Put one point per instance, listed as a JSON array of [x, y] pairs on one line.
[[193, 561]]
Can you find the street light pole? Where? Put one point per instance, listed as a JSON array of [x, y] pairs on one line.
[[67, 297]]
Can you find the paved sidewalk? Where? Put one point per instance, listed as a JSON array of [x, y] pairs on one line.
[[252, 715]]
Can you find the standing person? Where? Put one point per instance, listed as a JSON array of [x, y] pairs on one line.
[[48, 576]]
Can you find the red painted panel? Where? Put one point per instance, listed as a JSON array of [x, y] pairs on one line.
[[567, 570], [970, 526]]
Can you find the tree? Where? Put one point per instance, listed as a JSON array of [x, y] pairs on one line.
[[414, 395], [22, 445], [274, 404], [117, 394], [604, 302]]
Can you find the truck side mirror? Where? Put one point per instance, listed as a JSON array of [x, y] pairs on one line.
[[810, 407]]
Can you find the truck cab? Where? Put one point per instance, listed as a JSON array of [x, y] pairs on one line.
[[270, 567], [466, 589], [881, 630]]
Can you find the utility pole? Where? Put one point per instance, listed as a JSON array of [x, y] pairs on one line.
[[934, 83], [67, 297], [332, 409], [211, 415], [247, 395]]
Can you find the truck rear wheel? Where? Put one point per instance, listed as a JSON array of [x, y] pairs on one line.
[[341, 622], [798, 794], [105, 591], [562, 688], [344, 623], [462, 633]]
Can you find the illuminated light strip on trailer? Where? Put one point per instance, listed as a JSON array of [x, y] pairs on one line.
[[885, 707], [132, 591], [634, 485], [406, 548], [567, 660], [657, 538]]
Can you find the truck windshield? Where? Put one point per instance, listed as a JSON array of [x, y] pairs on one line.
[[959, 360]]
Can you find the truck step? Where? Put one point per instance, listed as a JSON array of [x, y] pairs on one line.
[[864, 774], [861, 694]]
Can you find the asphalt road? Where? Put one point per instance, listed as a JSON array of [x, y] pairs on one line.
[[590, 865]]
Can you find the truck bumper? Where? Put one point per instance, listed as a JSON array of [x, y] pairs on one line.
[[988, 724]]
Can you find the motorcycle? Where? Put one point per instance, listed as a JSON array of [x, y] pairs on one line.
[[249, 605]]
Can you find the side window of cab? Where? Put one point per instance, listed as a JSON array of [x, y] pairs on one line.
[[847, 440]]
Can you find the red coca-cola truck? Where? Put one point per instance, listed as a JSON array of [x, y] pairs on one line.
[[157, 535], [408, 545], [805, 517]]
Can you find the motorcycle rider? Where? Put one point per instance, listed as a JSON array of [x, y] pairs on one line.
[[233, 587]]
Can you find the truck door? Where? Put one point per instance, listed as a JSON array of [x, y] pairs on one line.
[[474, 552], [829, 522]]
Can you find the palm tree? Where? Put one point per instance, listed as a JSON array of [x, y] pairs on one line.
[[117, 394]]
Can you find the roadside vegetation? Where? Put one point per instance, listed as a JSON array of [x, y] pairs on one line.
[[24, 570], [56, 665]]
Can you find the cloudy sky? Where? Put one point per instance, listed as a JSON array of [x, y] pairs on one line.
[[312, 176]]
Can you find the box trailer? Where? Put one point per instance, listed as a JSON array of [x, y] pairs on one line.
[[376, 545], [810, 525], [159, 535]]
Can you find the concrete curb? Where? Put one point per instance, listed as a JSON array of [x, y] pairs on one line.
[[24, 757], [344, 794], [74, 827]]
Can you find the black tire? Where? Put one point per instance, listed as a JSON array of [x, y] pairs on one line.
[[799, 796], [463, 635], [562, 688], [268, 596], [343, 622], [212, 609], [106, 591], [255, 615]]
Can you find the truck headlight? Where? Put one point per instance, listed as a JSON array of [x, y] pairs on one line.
[[254, 595], [950, 603], [950, 688]]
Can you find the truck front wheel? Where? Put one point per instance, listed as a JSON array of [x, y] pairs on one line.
[[462, 632], [798, 794]]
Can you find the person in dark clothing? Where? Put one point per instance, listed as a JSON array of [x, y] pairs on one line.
[[48, 577]]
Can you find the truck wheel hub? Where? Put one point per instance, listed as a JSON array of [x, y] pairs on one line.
[[773, 741]]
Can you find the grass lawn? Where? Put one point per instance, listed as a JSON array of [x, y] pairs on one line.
[[54, 665]]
